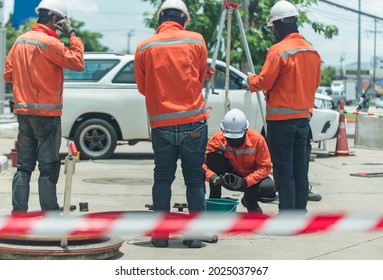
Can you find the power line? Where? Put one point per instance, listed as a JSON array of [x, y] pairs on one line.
[[360, 13], [341, 19], [352, 10]]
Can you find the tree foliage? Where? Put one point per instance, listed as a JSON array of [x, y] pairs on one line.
[[328, 74], [205, 16]]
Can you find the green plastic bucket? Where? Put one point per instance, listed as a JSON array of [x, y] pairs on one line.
[[221, 204]]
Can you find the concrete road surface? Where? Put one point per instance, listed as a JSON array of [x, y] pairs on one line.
[[123, 183]]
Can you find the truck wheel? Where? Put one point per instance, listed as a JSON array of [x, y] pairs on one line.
[[95, 139]]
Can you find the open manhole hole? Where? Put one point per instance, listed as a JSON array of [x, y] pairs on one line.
[[119, 181]]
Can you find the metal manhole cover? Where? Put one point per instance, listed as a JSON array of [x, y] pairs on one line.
[[119, 181]]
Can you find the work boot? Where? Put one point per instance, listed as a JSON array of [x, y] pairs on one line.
[[244, 202], [193, 243], [253, 208], [158, 241], [313, 196]]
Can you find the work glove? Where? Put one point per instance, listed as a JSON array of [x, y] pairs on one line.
[[233, 182], [64, 27], [216, 180]]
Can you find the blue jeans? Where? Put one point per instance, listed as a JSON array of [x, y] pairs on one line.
[[39, 140], [288, 148], [187, 141]]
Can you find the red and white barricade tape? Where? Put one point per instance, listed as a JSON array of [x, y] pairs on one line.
[[367, 113], [193, 225]]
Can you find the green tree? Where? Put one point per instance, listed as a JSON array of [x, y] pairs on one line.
[[205, 17], [328, 74]]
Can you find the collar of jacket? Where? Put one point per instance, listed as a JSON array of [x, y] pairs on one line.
[[45, 29], [169, 26], [294, 35]]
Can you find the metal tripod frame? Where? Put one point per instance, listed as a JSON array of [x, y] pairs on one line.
[[227, 10]]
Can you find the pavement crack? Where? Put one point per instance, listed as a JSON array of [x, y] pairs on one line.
[[330, 166], [345, 248]]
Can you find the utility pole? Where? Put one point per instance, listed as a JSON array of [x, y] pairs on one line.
[[374, 74], [342, 57], [359, 12], [130, 34], [374, 58], [2, 57], [359, 79]]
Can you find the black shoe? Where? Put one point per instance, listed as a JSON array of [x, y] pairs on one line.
[[244, 202], [254, 208], [314, 196], [268, 199], [160, 242], [193, 243]]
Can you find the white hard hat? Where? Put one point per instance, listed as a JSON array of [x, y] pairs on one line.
[[234, 124], [55, 6], [282, 9], [175, 4]]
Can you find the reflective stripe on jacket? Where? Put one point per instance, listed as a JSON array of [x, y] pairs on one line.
[[170, 69], [289, 77], [251, 160], [35, 68]]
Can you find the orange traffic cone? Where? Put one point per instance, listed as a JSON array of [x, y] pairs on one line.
[[341, 142]]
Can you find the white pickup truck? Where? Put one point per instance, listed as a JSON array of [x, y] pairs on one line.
[[102, 106]]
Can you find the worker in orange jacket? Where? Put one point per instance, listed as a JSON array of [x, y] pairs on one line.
[[170, 69], [289, 78], [35, 68], [238, 159]]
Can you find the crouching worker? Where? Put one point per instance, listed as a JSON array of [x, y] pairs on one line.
[[238, 159]]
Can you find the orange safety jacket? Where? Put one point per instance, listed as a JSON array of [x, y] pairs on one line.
[[289, 77], [170, 69], [35, 68], [250, 160]]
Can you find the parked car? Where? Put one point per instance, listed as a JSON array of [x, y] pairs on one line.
[[334, 92], [102, 106], [324, 90], [338, 92], [323, 102]]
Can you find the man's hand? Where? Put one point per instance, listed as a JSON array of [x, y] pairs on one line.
[[65, 27], [216, 180], [233, 182]]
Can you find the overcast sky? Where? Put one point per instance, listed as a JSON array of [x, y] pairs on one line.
[[116, 18]]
